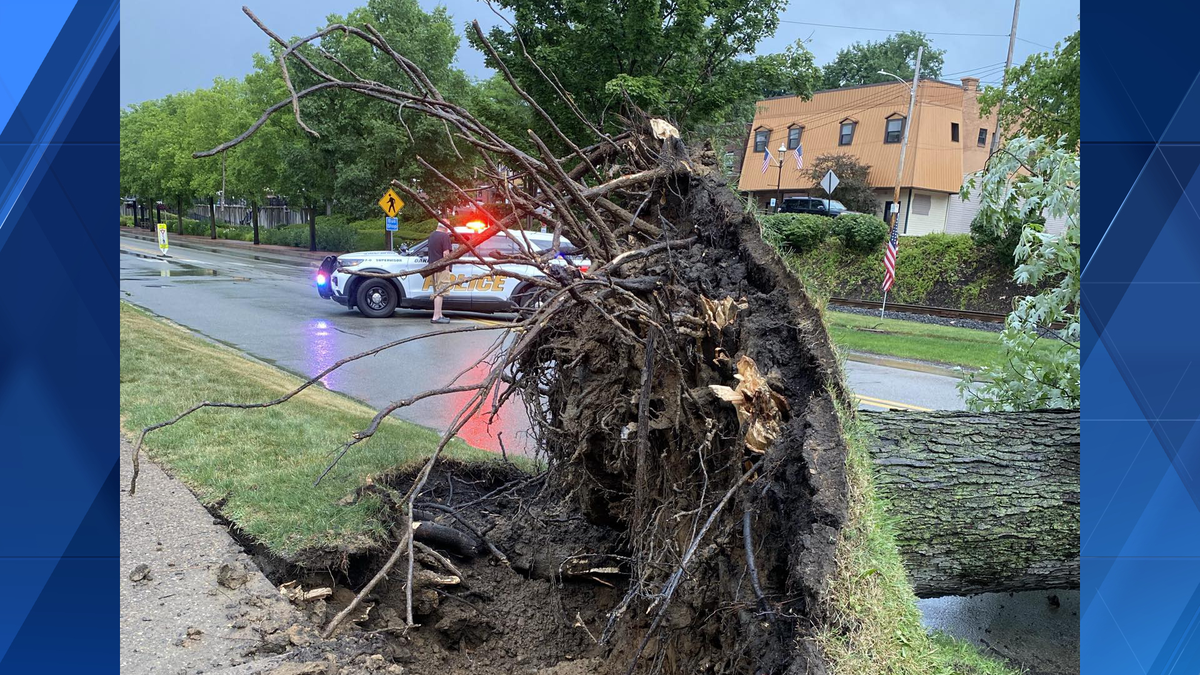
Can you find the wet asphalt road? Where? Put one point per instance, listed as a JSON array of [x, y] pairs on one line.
[[270, 310]]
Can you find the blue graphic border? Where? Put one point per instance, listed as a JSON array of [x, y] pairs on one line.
[[59, 82], [1140, 605]]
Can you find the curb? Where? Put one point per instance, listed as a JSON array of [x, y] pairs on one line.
[[308, 259], [901, 364]]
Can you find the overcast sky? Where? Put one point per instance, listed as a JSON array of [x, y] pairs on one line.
[[175, 45]]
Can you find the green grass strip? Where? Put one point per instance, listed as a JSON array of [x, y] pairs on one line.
[[258, 466]]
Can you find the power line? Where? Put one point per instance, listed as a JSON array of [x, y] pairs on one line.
[[978, 68], [891, 30], [1036, 44]]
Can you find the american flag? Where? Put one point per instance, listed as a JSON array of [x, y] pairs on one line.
[[766, 160], [889, 259], [798, 151]]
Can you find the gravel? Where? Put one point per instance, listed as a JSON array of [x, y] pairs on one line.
[[924, 318]]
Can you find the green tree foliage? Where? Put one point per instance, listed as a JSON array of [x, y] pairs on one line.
[[1042, 97], [854, 188], [1001, 236], [861, 62], [1027, 179], [686, 60], [362, 146]]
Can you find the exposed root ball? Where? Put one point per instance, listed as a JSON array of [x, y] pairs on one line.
[[629, 413]]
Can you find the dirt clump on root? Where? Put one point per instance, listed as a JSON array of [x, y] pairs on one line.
[[672, 532]]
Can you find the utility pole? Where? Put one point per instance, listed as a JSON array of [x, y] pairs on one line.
[[912, 99], [1012, 40], [779, 181]]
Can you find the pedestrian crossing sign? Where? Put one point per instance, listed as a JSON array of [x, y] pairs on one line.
[[391, 203], [162, 237]]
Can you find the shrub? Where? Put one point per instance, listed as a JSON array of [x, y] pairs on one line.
[[290, 235], [797, 231], [860, 232], [1001, 238], [336, 236]]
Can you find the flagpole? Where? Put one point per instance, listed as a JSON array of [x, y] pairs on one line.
[[912, 99]]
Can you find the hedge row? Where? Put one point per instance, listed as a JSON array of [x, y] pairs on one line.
[[802, 232], [334, 233]]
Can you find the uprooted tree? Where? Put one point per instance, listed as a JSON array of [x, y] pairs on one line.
[[682, 389], [982, 502]]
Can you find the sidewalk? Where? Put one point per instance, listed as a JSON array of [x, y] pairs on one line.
[[183, 617], [288, 254]]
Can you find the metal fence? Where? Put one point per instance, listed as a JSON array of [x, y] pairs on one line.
[[268, 216]]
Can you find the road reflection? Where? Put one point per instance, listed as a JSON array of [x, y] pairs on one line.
[[321, 352], [482, 429]]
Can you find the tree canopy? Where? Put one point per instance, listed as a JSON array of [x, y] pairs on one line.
[[1042, 94], [854, 188], [687, 60], [362, 144], [1027, 179], [861, 62]]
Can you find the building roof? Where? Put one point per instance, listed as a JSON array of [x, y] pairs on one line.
[[933, 161]]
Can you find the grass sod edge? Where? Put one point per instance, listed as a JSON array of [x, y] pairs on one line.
[[950, 345], [874, 626], [256, 467]]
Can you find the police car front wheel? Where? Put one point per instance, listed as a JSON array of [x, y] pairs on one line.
[[377, 298]]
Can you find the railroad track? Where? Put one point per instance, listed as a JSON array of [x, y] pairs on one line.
[[944, 312]]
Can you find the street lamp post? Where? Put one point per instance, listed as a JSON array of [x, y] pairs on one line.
[[912, 99], [779, 180]]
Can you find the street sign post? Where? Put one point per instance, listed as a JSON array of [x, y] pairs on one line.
[[162, 237], [391, 204], [829, 182]]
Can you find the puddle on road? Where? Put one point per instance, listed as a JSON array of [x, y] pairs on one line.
[[184, 270]]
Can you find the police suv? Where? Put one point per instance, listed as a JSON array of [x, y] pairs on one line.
[[377, 298]]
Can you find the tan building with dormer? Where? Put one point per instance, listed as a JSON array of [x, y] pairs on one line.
[[947, 141]]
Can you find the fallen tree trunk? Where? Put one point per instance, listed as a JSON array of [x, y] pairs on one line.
[[983, 502]]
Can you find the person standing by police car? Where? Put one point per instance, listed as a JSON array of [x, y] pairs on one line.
[[440, 247]]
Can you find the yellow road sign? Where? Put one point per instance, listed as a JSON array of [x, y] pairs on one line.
[[391, 203], [162, 237]]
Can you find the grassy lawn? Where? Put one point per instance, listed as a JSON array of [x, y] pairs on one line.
[[875, 626], [965, 347], [259, 465]]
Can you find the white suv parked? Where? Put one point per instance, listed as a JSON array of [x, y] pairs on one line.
[[378, 298]]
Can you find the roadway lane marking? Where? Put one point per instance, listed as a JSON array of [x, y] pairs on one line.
[[491, 322], [886, 404], [157, 255]]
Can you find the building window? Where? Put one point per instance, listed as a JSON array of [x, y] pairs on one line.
[[954, 132], [920, 205], [847, 135], [794, 137], [895, 127], [982, 137], [760, 140]]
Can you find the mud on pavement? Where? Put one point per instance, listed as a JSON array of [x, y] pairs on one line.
[[192, 601]]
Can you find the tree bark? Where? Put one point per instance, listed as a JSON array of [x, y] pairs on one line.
[[982, 502], [254, 214], [312, 228], [180, 202], [212, 218]]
